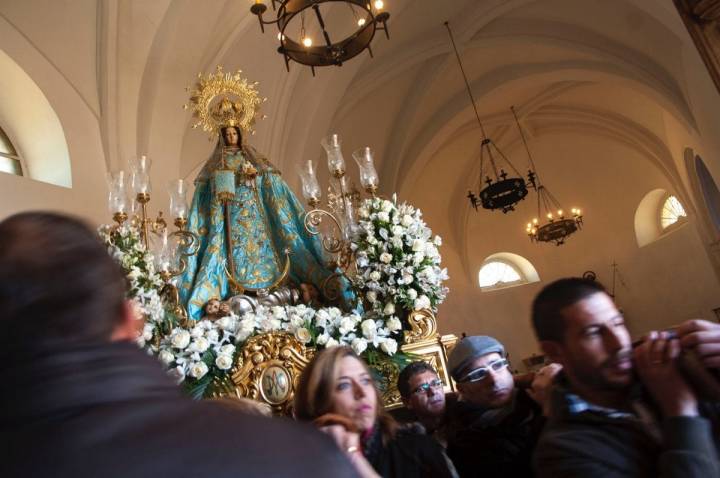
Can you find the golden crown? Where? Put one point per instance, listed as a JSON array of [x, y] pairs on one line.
[[238, 106]]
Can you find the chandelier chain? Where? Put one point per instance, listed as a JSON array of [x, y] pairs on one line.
[[467, 84], [527, 148]]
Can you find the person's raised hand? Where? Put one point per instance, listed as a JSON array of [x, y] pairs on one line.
[[703, 337], [657, 366]]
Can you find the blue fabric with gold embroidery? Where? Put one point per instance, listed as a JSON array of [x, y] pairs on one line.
[[266, 219]]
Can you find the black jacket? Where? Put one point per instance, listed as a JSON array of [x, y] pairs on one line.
[[590, 444], [481, 447], [408, 454], [110, 411]]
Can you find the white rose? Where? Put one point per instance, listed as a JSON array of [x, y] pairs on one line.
[[389, 346], [198, 370], [387, 206], [166, 357], [375, 275], [303, 335], [393, 324], [224, 362], [385, 257], [134, 273], [412, 294], [418, 245], [396, 242], [148, 332], [359, 345], [228, 349], [225, 323], [406, 220], [407, 278], [389, 309], [213, 336], [180, 338], [322, 339], [347, 325], [331, 342], [383, 216], [397, 230], [422, 302], [368, 329], [437, 241], [200, 344], [197, 331], [371, 296]]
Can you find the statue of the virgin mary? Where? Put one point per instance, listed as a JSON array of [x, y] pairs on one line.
[[249, 223]]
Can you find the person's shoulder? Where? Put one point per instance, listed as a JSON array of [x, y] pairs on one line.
[[258, 441]]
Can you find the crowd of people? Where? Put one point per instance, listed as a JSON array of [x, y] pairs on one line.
[[81, 399]]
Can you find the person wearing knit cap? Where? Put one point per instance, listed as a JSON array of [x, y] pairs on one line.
[[494, 426]]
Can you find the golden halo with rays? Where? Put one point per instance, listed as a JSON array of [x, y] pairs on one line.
[[238, 105]]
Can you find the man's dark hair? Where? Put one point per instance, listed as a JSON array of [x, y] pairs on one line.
[[403, 382], [546, 317], [57, 281]]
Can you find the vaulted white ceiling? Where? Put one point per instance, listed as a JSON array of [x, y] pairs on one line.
[[610, 92]]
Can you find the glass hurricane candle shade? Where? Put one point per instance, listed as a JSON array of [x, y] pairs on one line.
[[310, 187], [141, 164], [117, 197], [368, 175], [141, 183], [335, 160], [178, 198]]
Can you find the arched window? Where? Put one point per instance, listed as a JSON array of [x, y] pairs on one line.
[[505, 269], [9, 159], [672, 212]]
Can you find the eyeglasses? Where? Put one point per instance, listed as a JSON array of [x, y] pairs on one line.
[[422, 389], [481, 372]]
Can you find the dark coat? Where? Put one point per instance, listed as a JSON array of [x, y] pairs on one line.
[[482, 448], [110, 411], [408, 454], [589, 444]]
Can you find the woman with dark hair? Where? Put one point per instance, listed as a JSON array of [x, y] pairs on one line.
[[338, 393]]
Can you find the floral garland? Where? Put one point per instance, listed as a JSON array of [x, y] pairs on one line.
[[202, 354], [206, 349], [124, 244], [398, 262]]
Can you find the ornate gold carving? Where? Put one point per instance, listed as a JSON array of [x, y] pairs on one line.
[[268, 369], [422, 326], [238, 107]]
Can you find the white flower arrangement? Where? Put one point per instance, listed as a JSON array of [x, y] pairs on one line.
[[210, 347], [124, 244], [398, 261], [202, 354]]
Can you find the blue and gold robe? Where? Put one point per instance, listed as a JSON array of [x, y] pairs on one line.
[[266, 219]]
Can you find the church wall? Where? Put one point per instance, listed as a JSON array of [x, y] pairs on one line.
[[663, 283]]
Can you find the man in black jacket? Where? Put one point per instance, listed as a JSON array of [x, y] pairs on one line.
[[79, 399], [493, 427], [603, 421]]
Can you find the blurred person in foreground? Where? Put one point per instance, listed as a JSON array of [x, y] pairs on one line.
[[80, 398], [615, 411], [338, 393], [493, 427]]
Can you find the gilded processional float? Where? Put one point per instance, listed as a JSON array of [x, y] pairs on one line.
[[249, 285]]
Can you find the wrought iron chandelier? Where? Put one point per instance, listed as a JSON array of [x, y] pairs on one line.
[[505, 190], [296, 42], [558, 225]]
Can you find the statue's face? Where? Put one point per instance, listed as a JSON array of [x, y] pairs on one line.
[[231, 136]]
